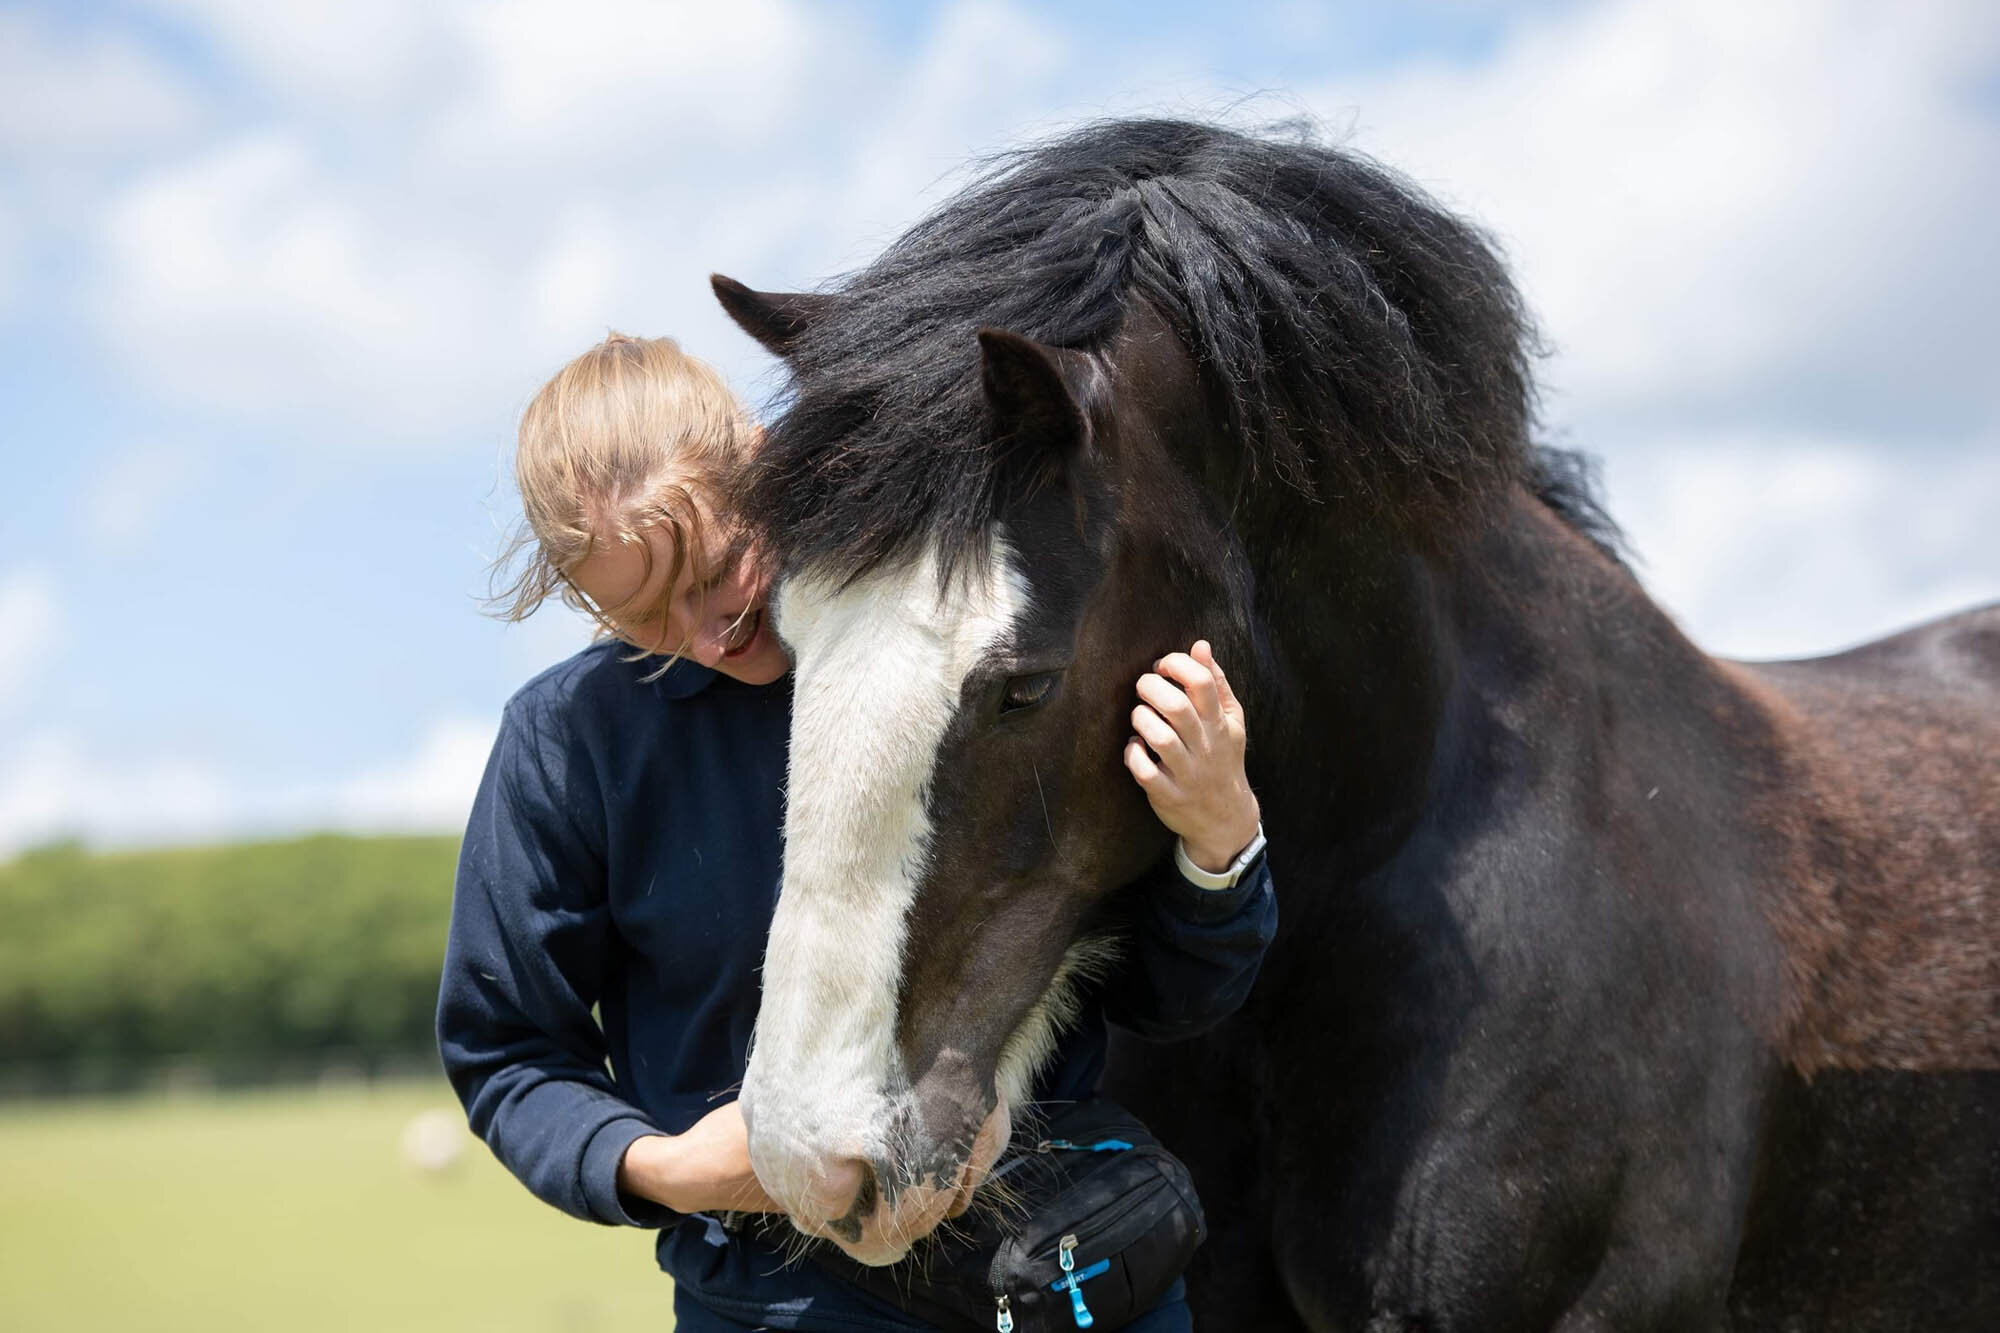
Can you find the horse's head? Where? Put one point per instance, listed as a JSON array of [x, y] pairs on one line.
[[1148, 381], [957, 803]]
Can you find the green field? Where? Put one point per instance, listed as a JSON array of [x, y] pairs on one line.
[[292, 1211]]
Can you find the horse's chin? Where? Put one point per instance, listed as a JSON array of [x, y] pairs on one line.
[[987, 1147], [876, 1254]]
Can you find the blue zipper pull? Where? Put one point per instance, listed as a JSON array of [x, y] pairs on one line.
[[1066, 1256], [1005, 1320]]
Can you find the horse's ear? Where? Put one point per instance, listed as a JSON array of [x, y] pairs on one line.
[[775, 319], [1038, 395]]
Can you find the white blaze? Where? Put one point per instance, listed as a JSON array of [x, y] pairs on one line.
[[878, 670]]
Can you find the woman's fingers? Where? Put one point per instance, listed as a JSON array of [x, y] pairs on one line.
[[1195, 679], [1204, 653], [1171, 703], [1139, 762], [1155, 731]]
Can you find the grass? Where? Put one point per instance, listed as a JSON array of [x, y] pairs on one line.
[[295, 1211]]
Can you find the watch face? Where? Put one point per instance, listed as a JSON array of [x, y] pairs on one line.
[[1241, 865]]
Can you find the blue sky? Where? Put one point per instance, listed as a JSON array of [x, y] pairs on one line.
[[275, 281]]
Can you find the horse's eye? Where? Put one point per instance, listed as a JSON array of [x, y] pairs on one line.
[[1028, 691]]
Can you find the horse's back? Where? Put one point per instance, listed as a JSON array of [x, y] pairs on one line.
[[1952, 663]]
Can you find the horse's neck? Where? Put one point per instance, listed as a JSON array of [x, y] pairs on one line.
[[1355, 669], [1383, 662]]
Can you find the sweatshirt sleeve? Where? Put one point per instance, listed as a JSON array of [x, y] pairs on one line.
[[1192, 954], [530, 945]]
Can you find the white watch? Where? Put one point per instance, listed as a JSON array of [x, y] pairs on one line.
[[1229, 876]]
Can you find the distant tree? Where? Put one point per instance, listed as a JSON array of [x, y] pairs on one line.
[[234, 954]]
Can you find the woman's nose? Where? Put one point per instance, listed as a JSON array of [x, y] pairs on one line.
[[707, 648]]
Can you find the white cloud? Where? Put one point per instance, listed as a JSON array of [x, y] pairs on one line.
[[357, 55], [952, 101], [1707, 204], [1769, 546], [429, 790], [384, 286], [571, 169], [79, 104], [31, 628], [1712, 202], [56, 784], [623, 81], [84, 93], [249, 280], [572, 283]]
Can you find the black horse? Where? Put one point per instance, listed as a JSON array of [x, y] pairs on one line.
[[1617, 986]]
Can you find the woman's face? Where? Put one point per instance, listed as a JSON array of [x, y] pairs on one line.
[[723, 624]]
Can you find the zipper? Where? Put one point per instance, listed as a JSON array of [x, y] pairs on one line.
[[1078, 1310], [1048, 1146], [1004, 1318]]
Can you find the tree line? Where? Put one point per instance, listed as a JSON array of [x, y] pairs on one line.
[[237, 958]]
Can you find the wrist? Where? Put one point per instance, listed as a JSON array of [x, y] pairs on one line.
[[647, 1170], [1215, 858], [1216, 852]]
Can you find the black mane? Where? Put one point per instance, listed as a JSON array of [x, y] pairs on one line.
[[1365, 347]]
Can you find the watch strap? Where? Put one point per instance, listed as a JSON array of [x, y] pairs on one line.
[[1230, 876]]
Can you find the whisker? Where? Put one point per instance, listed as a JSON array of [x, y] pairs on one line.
[[1047, 823]]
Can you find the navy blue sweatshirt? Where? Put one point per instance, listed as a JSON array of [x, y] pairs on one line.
[[623, 858]]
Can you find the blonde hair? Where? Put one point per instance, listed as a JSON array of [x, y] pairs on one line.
[[623, 439]]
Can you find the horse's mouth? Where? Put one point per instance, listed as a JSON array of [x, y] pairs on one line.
[[882, 1227]]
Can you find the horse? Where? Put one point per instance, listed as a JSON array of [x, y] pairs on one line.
[[1616, 985]]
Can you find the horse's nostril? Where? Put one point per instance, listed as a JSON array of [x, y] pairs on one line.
[[865, 1197], [845, 1189]]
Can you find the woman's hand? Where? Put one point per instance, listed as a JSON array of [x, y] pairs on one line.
[[706, 1169], [1188, 756]]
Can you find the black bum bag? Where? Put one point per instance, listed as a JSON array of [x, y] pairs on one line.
[[1085, 1228]]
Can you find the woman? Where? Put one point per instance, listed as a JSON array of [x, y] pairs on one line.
[[618, 874]]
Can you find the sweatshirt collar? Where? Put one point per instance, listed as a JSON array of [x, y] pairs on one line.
[[684, 679]]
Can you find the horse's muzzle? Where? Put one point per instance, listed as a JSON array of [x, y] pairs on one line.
[[876, 1210]]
